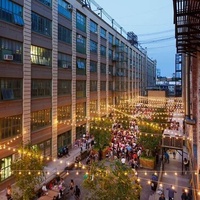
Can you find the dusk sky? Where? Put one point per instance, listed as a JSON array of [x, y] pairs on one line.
[[152, 22]]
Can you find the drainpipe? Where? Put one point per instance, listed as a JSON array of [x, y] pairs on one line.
[[188, 119]]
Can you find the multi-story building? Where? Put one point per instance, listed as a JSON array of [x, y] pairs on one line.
[[61, 65], [187, 24]]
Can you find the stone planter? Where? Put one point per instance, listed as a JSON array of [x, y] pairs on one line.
[[147, 163]]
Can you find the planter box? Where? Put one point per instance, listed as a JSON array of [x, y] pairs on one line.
[[147, 163]]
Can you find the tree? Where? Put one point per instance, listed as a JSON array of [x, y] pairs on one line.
[[115, 181], [150, 143], [28, 172], [101, 130]]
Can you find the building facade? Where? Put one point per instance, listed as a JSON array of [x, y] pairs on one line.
[[61, 65], [187, 24]]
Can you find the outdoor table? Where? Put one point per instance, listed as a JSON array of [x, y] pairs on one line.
[[45, 197], [52, 193]]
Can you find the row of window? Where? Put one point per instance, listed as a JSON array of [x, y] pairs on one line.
[[12, 126], [43, 56], [12, 12], [11, 89]]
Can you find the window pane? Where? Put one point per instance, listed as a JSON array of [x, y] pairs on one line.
[[93, 26], [81, 66], [11, 50], [81, 21], [40, 24], [63, 9], [40, 119], [64, 87], [10, 126], [11, 12], [64, 34], [80, 44], [64, 61], [11, 89], [80, 89], [40, 88], [40, 56]]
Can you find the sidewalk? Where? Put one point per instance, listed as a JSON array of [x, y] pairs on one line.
[[172, 175], [54, 167]]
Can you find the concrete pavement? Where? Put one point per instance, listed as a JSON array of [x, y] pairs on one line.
[[172, 175], [54, 167]]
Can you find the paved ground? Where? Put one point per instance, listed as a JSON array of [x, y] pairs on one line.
[[180, 181], [143, 174]]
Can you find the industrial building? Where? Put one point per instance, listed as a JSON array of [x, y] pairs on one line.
[[61, 64]]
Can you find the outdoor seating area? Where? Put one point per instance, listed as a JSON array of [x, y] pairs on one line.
[[54, 190]]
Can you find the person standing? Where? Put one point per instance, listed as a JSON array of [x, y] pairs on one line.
[[166, 155], [77, 192], [171, 192], [184, 195], [186, 164], [174, 154], [8, 193], [71, 186], [162, 197]]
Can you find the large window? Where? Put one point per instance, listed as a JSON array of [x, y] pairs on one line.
[[64, 113], [11, 89], [64, 34], [45, 148], [103, 86], [103, 68], [10, 126], [103, 33], [110, 70], [80, 89], [80, 131], [80, 111], [40, 88], [80, 66], [46, 2], [110, 38], [93, 26], [93, 107], [80, 21], [80, 44], [11, 50], [40, 24], [110, 54], [103, 50], [64, 87], [5, 168], [40, 56], [40, 119], [103, 105], [63, 9], [93, 86], [64, 61], [11, 12], [64, 139], [110, 87], [117, 41], [93, 46], [93, 66]]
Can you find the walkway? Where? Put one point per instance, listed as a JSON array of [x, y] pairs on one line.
[[53, 168], [172, 175]]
